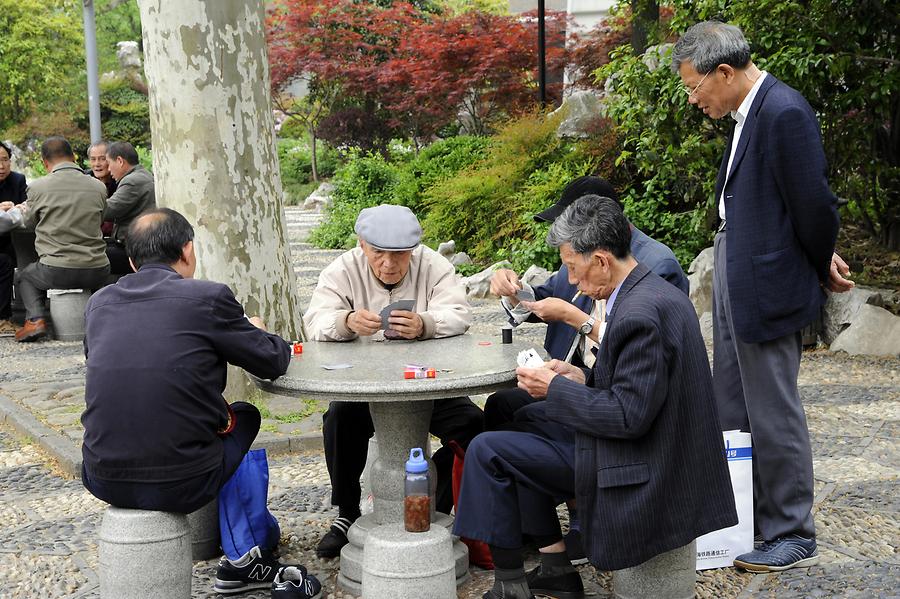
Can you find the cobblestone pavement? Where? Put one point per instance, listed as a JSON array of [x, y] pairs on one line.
[[48, 523]]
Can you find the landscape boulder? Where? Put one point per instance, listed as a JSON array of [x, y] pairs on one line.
[[700, 278], [478, 286], [873, 332]]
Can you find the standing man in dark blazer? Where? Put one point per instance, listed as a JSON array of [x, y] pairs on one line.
[[636, 439], [774, 257]]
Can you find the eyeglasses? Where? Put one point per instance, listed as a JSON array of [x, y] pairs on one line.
[[690, 92]]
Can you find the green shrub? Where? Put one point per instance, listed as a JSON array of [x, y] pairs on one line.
[[364, 181], [294, 157], [125, 113], [671, 153], [437, 162]]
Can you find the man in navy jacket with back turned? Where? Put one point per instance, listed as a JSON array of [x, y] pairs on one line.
[[158, 434]]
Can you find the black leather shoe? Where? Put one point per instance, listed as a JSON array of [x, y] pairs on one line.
[[334, 540], [565, 585]]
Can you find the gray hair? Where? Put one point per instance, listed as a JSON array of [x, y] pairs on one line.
[[708, 44], [97, 144], [592, 223]]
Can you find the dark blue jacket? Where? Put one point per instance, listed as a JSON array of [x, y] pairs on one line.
[[646, 250], [157, 346], [13, 188], [781, 217], [650, 469]]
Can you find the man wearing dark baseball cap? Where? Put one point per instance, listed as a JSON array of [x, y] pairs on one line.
[[389, 265], [574, 321]]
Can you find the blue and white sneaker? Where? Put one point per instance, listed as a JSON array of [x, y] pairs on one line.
[[293, 582], [792, 551], [256, 569]]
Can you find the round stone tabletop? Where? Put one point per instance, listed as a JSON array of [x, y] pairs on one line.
[[465, 364]]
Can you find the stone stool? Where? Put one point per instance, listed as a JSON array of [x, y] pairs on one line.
[[144, 555], [669, 575], [408, 565], [205, 537], [67, 312]]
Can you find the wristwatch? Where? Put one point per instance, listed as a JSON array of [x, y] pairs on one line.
[[587, 327]]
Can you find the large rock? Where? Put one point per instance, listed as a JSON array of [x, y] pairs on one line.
[[320, 198], [447, 249], [535, 275], [129, 55], [581, 109], [701, 279], [841, 309], [478, 286], [874, 332], [460, 259], [706, 327]]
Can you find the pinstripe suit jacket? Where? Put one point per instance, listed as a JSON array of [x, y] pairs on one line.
[[650, 468]]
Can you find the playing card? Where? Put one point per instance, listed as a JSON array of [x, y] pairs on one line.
[[406, 304], [525, 295], [529, 358]]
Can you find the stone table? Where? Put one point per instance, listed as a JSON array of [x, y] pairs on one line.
[[401, 410]]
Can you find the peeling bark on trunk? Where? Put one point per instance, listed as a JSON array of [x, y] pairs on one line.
[[214, 150]]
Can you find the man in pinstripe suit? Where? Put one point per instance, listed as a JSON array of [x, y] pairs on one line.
[[636, 439]]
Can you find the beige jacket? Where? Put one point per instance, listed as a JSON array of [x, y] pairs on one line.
[[65, 209], [348, 284]]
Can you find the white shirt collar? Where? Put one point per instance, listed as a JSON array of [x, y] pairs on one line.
[[740, 115]]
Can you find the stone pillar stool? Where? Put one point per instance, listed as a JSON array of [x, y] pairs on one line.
[[205, 537], [144, 555], [408, 565], [669, 575], [67, 312]]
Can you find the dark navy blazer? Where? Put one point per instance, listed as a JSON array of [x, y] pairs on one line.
[[646, 250], [650, 468], [781, 216], [13, 188]]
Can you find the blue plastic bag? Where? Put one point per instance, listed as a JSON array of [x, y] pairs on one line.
[[244, 518]]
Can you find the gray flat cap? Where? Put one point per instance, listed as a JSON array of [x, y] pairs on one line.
[[389, 228]]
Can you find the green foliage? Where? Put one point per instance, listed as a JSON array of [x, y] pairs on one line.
[[125, 113], [145, 157], [294, 156], [670, 151], [116, 21], [435, 163], [458, 7], [488, 208], [844, 57], [41, 57], [364, 181]]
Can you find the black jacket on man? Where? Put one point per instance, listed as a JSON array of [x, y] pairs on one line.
[[157, 346]]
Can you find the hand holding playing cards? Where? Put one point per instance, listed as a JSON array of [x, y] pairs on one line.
[[408, 325], [573, 373], [363, 322], [554, 309], [535, 380], [505, 283]]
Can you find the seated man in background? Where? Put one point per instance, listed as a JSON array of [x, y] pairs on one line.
[[135, 194], [649, 471], [573, 322], [99, 169], [65, 209], [13, 188], [388, 265], [158, 434]]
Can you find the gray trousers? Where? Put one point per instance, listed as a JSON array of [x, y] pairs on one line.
[[756, 390], [36, 278]]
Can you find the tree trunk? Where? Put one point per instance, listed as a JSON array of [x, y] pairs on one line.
[[313, 159], [644, 15], [214, 150]]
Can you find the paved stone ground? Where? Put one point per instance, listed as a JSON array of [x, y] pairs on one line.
[[48, 523]]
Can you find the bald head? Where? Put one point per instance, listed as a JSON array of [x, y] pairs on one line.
[[158, 236]]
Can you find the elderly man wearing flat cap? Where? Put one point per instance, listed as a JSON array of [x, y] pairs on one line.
[[388, 265]]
